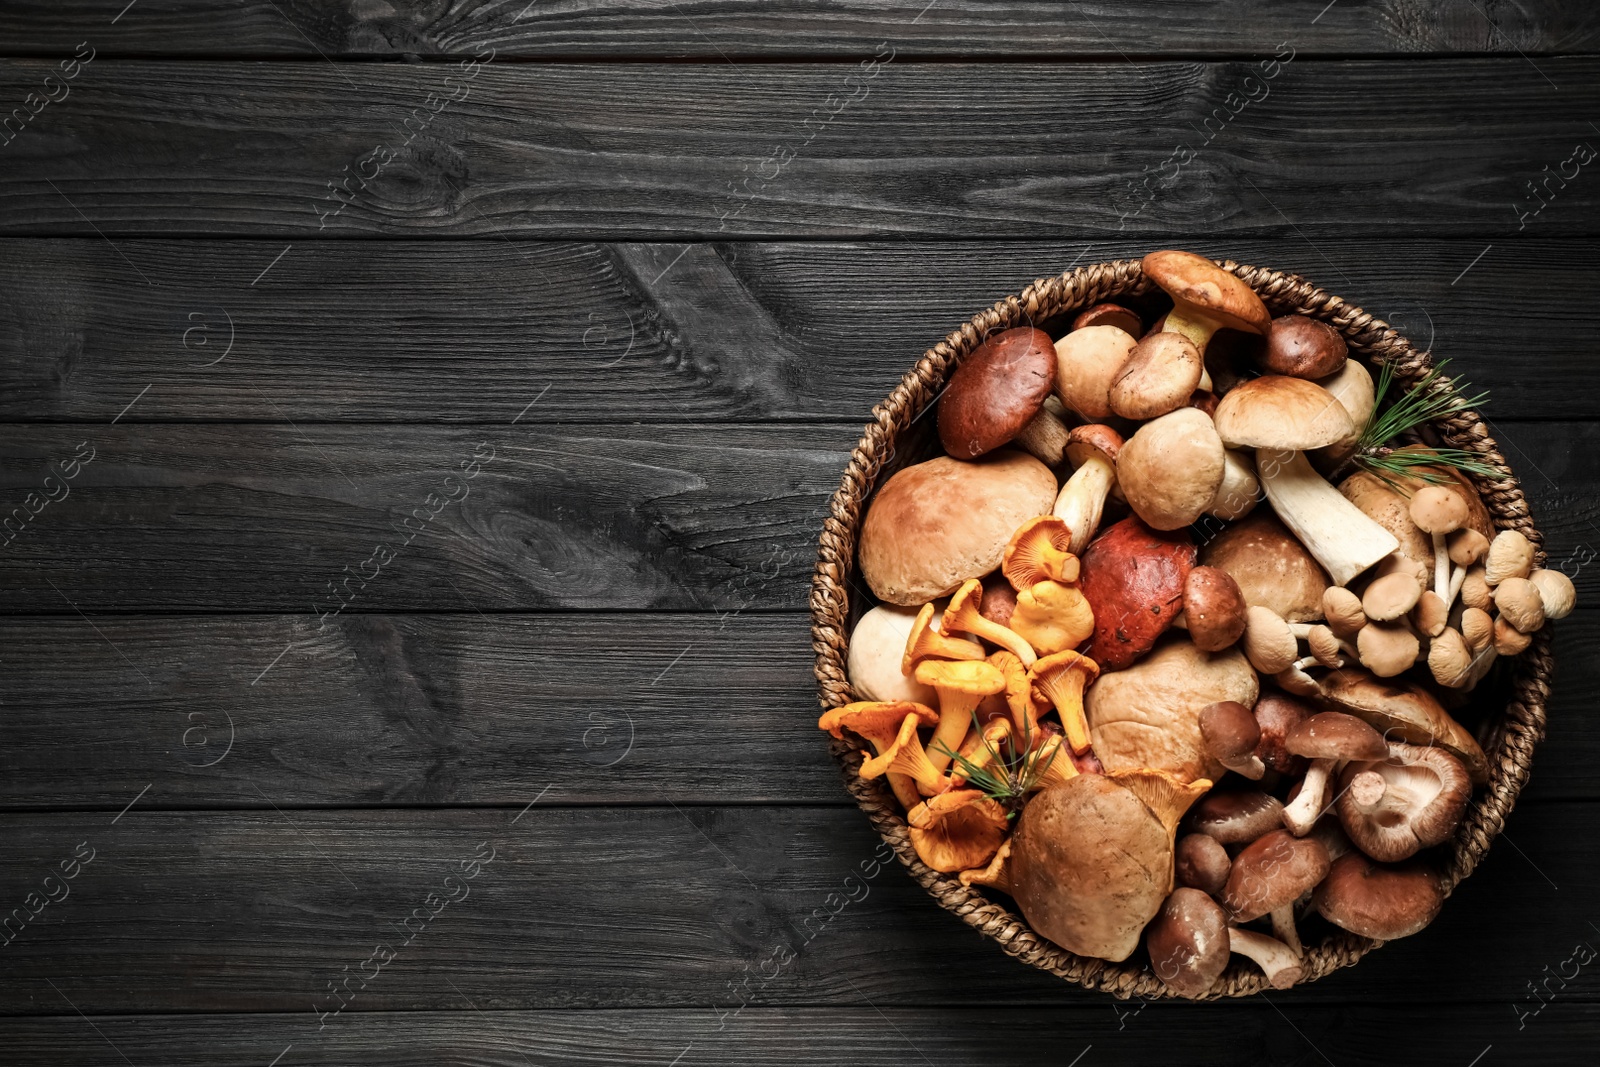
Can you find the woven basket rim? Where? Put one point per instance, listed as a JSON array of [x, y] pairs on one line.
[[1511, 738]]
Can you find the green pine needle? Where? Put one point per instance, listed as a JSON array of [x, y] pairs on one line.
[[1010, 773], [1434, 397]]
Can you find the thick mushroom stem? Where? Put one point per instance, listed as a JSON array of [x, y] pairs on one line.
[[1339, 534], [1082, 500], [1198, 330], [1283, 925], [1276, 960], [1301, 814]]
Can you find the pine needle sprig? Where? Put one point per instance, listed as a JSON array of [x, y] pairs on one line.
[[1010, 772], [1434, 397]]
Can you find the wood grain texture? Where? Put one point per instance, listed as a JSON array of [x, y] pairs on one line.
[[642, 151], [422, 710], [712, 30], [287, 518], [626, 907], [458, 331]]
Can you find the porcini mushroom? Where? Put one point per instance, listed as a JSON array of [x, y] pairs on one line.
[[1231, 734], [1214, 611], [966, 615], [1052, 617], [1352, 386], [1202, 863], [996, 391], [1510, 556], [926, 641], [1555, 592], [1395, 807], [1045, 437], [1158, 376], [1240, 490], [1188, 942], [1110, 315], [1329, 739], [1093, 451], [1277, 961], [880, 723], [1438, 511], [1205, 298], [1171, 468], [1379, 902], [1273, 569], [1060, 678], [1269, 875], [1302, 347], [961, 685], [1039, 551], [1133, 578], [1087, 362]]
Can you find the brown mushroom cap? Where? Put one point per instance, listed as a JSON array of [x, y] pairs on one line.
[[1087, 362], [1277, 714], [1160, 374], [1376, 901], [1467, 547], [1403, 712], [1202, 863], [1272, 567], [1188, 942], [1237, 817], [1231, 734], [1271, 871], [1393, 808], [1302, 347], [1202, 289], [1274, 411], [1109, 315], [935, 524], [1386, 649], [996, 391], [999, 601], [1390, 597], [1510, 556], [1343, 610], [1133, 578], [1213, 608], [1438, 510], [1170, 469], [1390, 507], [1090, 440], [1336, 736], [1518, 601]]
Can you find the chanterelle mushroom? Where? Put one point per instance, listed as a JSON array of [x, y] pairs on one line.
[[906, 758], [964, 838], [925, 641], [1269, 875], [1053, 617], [1039, 551], [966, 615], [1377, 901], [1060, 679], [1393, 808], [1188, 942], [1093, 451], [961, 685], [1329, 739], [880, 722]]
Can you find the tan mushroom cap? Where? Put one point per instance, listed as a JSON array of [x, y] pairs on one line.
[[1204, 290], [1510, 556], [1477, 629], [1087, 362], [1437, 510], [1343, 610], [1386, 648], [1390, 597], [935, 524], [1508, 640], [1272, 567], [1271, 872], [1430, 616], [1403, 712], [1213, 608], [1268, 642], [1274, 411], [1466, 547], [1519, 603], [1450, 658], [1395, 807], [1556, 592], [1171, 468], [1160, 374], [1377, 901]]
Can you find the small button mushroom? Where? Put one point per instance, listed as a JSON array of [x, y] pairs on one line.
[[1475, 590], [1093, 451], [1060, 679], [1277, 714], [1188, 942], [1402, 562], [1213, 609], [961, 686], [926, 641], [1302, 347], [1395, 807], [1450, 659], [1508, 640], [1329, 739], [1236, 817], [1477, 629], [1390, 597], [965, 615], [1555, 592], [1519, 603], [1466, 547], [1510, 556], [1240, 490], [1269, 644], [1430, 616], [996, 391], [1269, 875], [1087, 361], [1379, 902], [1109, 315], [1052, 617], [1171, 468], [1343, 611], [1201, 862], [1231, 735], [1277, 961], [1387, 649], [1133, 578], [1326, 648], [1159, 375], [1438, 511], [879, 722], [1039, 551]]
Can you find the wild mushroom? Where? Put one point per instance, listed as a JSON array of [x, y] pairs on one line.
[[1205, 299], [1148, 715], [1092, 858], [1477, 629], [1379, 902], [1390, 597], [1087, 362], [1519, 603], [880, 722], [999, 601], [1109, 315], [966, 615], [1508, 640], [1281, 418], [1343, 610], [996, 391], [1158, 376], [926, 641], [1093, 451], [1449, 658], [1272, 567], [1510, 556], [1213, 609], [1327, 650], [1302, 347], [1387, 501], [1352, 387], [1475, 589], [1018, 693], [1268, 876], [1188, 942], [996, 875], [906, 758], [936, 524], [1277, 714], [1039, 551], [1201, 863], [1555, 592], [1330, 739], [1171, 468], [1269, 642], [1393, 808], [877, 649], [961, 685], [1277, 961], [1438, 511], [1053, 617], [1133, 578], [1045, 436], [1464, 547], [1237, 817], [1402, 712], [1430, 616], [1387, 649], [1060, 678], [1231, 734], [1240, 490], [964, 838]]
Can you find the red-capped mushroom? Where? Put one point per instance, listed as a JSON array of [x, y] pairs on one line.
[[1133, 578]]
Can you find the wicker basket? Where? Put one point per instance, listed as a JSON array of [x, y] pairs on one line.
[[891, 440]]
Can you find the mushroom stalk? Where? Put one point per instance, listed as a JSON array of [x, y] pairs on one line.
[[1082, 500], [1337, 533], [1198, 331], [1441, 567], [1283, 926], [1276, 960], [1303, 812]]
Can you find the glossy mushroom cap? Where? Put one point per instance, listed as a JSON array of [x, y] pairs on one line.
[[1272, 871], [1202, 863], [1376, 901], [1394, 808], [1160, 374], [1188, 942], [1302, 347], [1204, 290], [1213, 608], [996, 391], [1334, 735], [1171, 468], [1231, 734], [1109, 315], [1278, 412], [1236, 818], [1133, 578]]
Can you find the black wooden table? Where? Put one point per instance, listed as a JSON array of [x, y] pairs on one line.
[[417, 420]]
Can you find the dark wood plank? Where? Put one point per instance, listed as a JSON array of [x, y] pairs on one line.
[[712, 31], [266, 518], [639, 151], [456, 710], [628, 907], [336, 331]]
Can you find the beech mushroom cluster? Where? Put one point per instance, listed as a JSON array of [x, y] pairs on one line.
[[1161, 652]]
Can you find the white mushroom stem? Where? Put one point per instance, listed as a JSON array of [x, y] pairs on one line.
[[1083, 499], [1441, 567], [1341, 537], [1302, 814], [1283, 926], [1457, 578], [1275, 959]]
